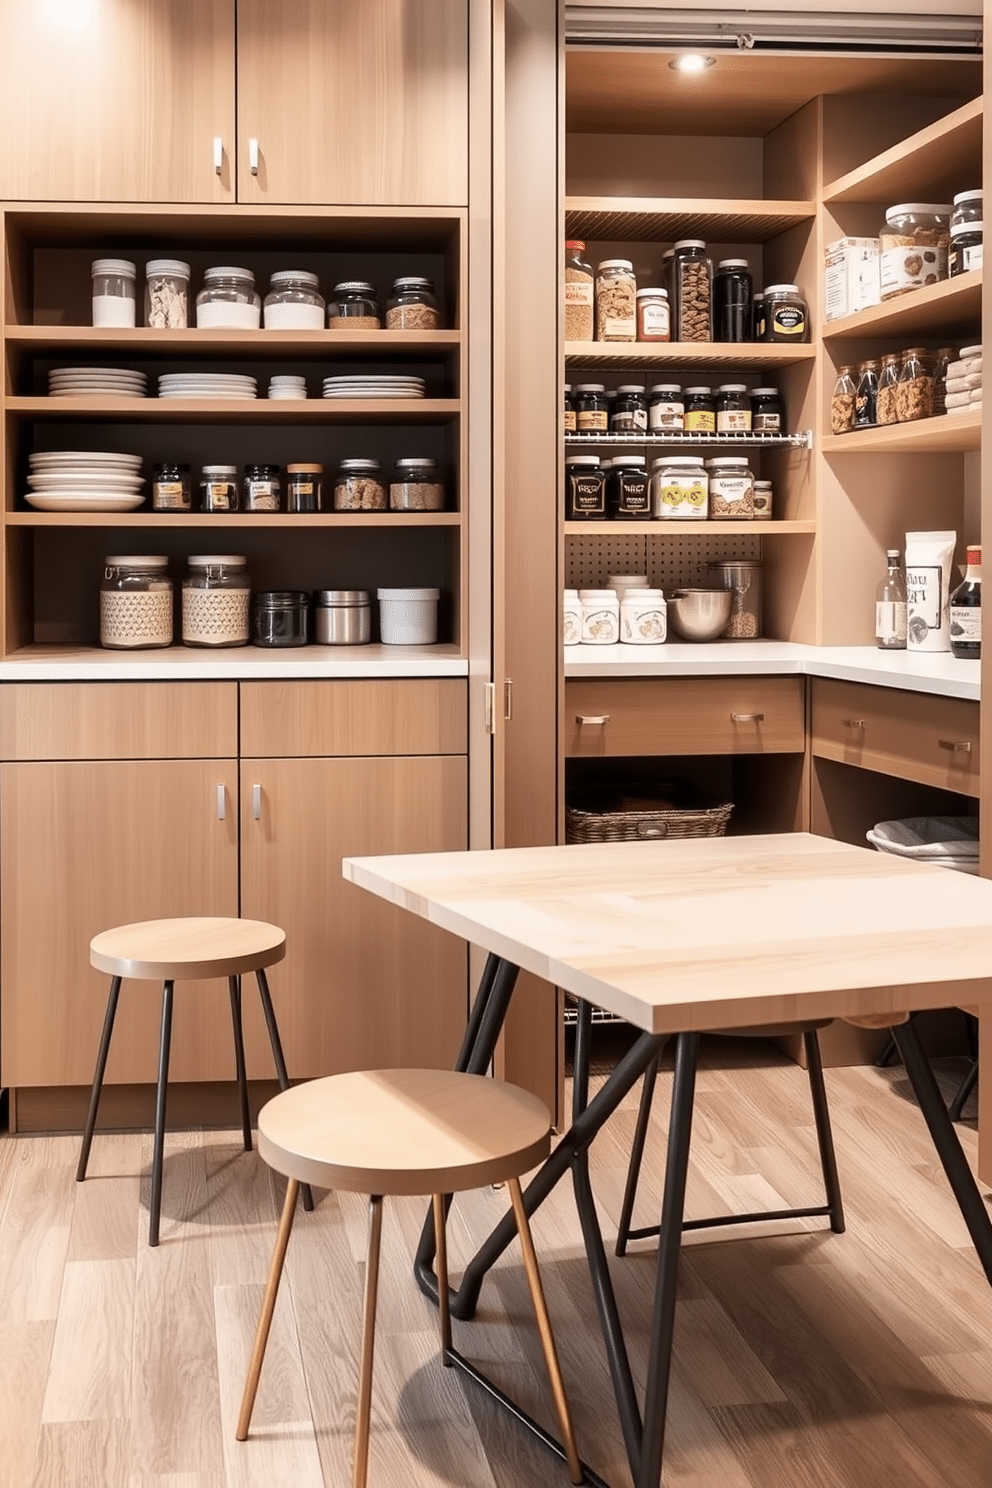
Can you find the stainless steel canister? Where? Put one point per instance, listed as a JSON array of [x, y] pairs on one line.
[[343, 617], [744, 578]]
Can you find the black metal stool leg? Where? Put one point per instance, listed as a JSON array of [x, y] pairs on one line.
[[98, 1073], [824, 1135], [234, 983], [161, 1093], [636, 1155], [277, 1055], [964, 1090]]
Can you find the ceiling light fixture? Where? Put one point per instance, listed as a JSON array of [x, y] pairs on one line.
[[691, 62]]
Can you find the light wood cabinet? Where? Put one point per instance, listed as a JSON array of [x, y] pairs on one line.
[[682, 715], [933, 740]]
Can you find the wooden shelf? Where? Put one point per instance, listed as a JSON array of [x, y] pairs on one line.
[[952, 433], [689, 529], [288, 521], [951, 308], [286, 345], [646, 219], [239, 410], [923, 167], [697, 354]]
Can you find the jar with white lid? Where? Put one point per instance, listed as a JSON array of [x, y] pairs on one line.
[[413, 305], [679, 488], [643, 617], [666, 410], [600, 617], [763, 497], [733, 409], [166, 294], [228, 300], [114, 302], [216, 600], [571, 618], [616, 300], [913, 247], [585, 489], [354, 307], [135, 602], [294, 302], [219, 488], [653, 317], [731, 494]]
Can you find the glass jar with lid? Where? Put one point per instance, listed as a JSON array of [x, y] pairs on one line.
[[280, 617], [358, 486], [842, 401], [216, 594], [942, 361], [967, 207], [262, 488], [666, 409], [579, 293], [616, 300], [228, 300], [114, 302], [629, 414], [733, 409], [767, 411], [591, 415], [294, 302], [914, 395], [965, 251], [866, 397], [219, 488], [731, 495], [569, 410], [628, 489], [304, 487], [692, 284], [171, 490], [166, 294], [733, 300], [416, 486], [413, 305], [700, 411], [135, 602], [585, 489], [913, 247], [886, 403], [354, 307], [786, 314], [679, 488], [653, 316]]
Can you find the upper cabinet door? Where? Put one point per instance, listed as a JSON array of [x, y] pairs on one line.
[[353, 103], [117, 100]]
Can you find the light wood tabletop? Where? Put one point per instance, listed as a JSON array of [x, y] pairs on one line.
[[711, 932]]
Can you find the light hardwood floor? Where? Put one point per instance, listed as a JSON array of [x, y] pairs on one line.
[[804, 1360]]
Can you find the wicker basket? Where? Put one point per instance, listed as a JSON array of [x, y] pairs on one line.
[[671, 809]]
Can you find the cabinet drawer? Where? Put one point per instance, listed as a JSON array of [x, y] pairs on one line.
[[118, 720], [394, 716], [933, 740], [685, 715]]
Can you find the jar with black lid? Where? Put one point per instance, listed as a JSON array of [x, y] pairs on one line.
[[628, 489], [667, 407], [591, 408], [171, 489], [569, 418], [692, 273], [304, 487], [700, 411], [966, 248], [262, 488], [733, 294], [866, 397], [786, 314], [629, 414], [585, 489], [767, 411], [280, 617], [968, 207], [733, 409]]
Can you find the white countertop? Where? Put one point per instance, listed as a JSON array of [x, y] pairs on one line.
[[936, 672], [257, 663]]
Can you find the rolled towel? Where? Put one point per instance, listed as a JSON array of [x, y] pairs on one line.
[[957, 400]]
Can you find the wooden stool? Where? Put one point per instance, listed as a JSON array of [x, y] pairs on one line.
[[405, 1132], [168, 951]]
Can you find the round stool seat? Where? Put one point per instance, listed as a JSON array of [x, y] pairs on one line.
[[404, 1131], [188, 949]]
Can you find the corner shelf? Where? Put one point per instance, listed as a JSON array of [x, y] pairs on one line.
[[949, 433], [954, 305], [921, 164]]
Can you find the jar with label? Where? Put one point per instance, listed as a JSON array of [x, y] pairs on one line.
[[579, 293], [786, 314], [413, 305], [591, 414], [666, 409], [887, 402], [653, 317], [114, 302], [358, 486], [569, 410], [166, 294], [945, 356], [731, 489], [965, 250], [135, 602], [843, 400], [913, 247], [914, 395], [763, 498], [866, 397], [616, 300], [572, 618], [628, 489], [733, 300], [733, 409], [171, 489], [262, 488], [679, 488], [600, 617], [280, 617], [354, 307], [629, 414], [767, 411], [585, 489], [219, 488], [304, 487], [228, 300], [692, 274], [416, 486], [643, 617], [294, 302], [700, 411], [216, 594]]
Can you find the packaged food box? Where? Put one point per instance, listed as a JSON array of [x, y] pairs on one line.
[[852, 277]]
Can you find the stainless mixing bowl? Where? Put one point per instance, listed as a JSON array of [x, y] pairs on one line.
[[700, 614]]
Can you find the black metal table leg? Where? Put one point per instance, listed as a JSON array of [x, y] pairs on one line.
[[234, 984], [161, 1095], [824, 1135], [97, 1086], [277, 1056]]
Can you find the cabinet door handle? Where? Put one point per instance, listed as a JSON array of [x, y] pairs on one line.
[[256, 802], [747, 717], [956, 746], [222, 803], [253, 156], [218, 154], [592, 717], [856, 723]]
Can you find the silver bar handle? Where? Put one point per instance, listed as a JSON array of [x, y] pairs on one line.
[[222, 802], [854, 723], [956, 746], [253, 156], [592, 718], [256, 802], [747, 717], [218, 154]]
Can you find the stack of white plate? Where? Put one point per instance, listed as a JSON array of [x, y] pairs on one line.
[[287, 387], [84, 480], [206, 385], [78, 382], [378, 386]]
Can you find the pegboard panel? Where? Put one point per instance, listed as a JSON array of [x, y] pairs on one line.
[[669, 560]]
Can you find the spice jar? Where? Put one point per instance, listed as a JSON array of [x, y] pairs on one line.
[[215, 600], [591, 408], [913, 247], [842, 401], [228, 300], [135, 602], [965, 250], [786, 314], [733, 409], [914, 395], [866, 397], [415, 486], [413, 306], [585, 489], [616, 300], [700, 411], [628, 489], [166, 294], [354, 307], [294, 302], [629, 414], [304, 483], [731, 496], [262, 488], [763, 498], [679, 488], [358, 486], [767, 411], [600, 617], [579, 293], [571, 632], [692, 273], [280, 617], [171, 490], [733, 294], [342, 617], [653, 317], [219, 488], [643, 617], [667, 407], [569, 410], [113, 292]]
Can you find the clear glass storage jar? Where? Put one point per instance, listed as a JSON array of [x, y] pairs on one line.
[[113, 292], [354, 307], [171, 489], [767, 411], [262, 488], [743, 576], [358, 486], [579, 293], [914, 395], [692, 276], [786, 314], [280, 617], [843, 401], [294, 302], [887, 400], [731, 496], [679, 488], [913, 247], [591, 408], [700, 410], [416, 486], [135, 602], [413, 306], [304, 487], [216, 594], [219, 488], [733, 409], [228, 300], [616, 300], [653, 315], [167, 294]]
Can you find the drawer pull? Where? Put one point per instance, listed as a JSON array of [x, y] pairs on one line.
[[256, 802], [956, 746], [747, 717], [218, 154], [592, 717], [253, 156], [855, 723], [222, 803]]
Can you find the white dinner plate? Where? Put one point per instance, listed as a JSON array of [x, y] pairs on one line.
[[96, 392], [82, 501], [85, 480], [53, 458]]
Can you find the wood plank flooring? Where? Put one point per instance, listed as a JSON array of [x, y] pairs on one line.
[[803, 1359]]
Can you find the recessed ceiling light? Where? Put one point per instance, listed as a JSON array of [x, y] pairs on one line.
[[691, 62]]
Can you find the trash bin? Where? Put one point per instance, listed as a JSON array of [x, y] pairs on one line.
[[950, 841]]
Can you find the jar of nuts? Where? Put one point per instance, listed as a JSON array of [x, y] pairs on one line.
[[358, 486], [913, 247], [842, 401], [353, 307], [579, 293], [416, 486], [616, 300], [914, 395], [692, 279], [888, 386]]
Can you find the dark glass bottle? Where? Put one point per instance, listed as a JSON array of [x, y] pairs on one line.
[[732, 301], [866, 397], [966, 610]]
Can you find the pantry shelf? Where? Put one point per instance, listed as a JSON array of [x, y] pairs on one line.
[[289, 522], [950, 433], [927, 166], [291, 345], [743, 439], [648, 219], [697, 354], [681, 529], [951, 308], [239, 410]]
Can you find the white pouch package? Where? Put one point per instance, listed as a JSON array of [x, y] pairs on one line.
[[928, 577]]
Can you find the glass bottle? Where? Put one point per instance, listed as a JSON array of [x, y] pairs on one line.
[[966, 610], [733, 294], [866, 398], [579, 293], [887, 405], [943, 359], [914, 399], [842, 401], [890, 606]]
